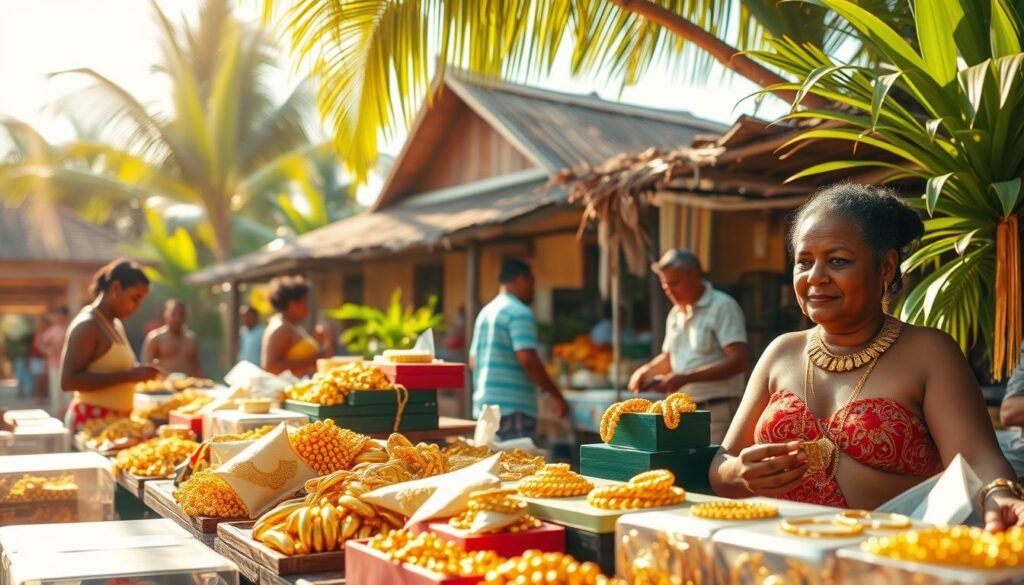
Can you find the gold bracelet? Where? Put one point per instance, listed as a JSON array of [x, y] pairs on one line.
[[819, 528], [874, 520], [1016, 489]]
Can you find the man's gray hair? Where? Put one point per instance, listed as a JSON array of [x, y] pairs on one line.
[[679, 259]]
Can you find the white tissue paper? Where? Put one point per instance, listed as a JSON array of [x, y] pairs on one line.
[[258, 382], [425, 342], [947, 498], [487, 425]]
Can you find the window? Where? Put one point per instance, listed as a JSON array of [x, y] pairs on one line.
[[352, 288], [428, 281]]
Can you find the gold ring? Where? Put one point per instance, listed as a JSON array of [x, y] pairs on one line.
[[874, 520], [820, 528]]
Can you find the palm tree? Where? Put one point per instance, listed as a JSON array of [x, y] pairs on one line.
[[372, 58], [950, 111], [225, 142]]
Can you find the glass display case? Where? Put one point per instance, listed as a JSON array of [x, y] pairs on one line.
[[35, 440], [675, 542], [806, 555], [55, 487], [157, 560], [233, 422], [98, 535]]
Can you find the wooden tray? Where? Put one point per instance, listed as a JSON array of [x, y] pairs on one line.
[[157, 495], [238, 535], [647, 432], [609, 462], [135, 484]]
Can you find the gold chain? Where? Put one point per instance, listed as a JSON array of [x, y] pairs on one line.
[[819, 354], [830, 449]]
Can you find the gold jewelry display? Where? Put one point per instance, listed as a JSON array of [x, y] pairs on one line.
[[555, 480], [548, 568], [874, 520], [749, 569], [495, 500], [823, 453], [959, 546], [430, 552], [671, 407], [820, 528], [734, 511], [650, 489], [826, 360], [1000, 484]]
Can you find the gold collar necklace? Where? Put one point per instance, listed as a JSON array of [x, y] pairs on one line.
[[821, 357]]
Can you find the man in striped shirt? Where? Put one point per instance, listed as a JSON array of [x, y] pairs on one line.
[[503, 356]]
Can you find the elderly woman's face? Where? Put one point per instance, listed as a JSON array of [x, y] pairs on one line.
[[836, 277]]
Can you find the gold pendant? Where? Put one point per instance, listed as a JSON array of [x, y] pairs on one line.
[[820, 454]]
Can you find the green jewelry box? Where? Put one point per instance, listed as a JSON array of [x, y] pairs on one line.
[[647, 432], [690, 466]]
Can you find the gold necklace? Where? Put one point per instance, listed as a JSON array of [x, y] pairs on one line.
[[823, 453], [819, 354]]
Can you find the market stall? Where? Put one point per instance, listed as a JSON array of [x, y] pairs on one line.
[[324, 504]]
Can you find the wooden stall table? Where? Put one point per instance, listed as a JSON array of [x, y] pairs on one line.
[[157, 495], [447, 427]]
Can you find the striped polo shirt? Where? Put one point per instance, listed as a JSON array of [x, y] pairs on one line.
[[503, 327]]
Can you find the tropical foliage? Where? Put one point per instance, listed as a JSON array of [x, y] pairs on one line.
[[396, 327], [374, 59], [948, 113], [227, 143]]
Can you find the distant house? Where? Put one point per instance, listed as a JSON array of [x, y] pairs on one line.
[[47, 257], [468, 191]]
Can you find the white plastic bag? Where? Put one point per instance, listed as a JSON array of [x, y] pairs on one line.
[[947, 498]]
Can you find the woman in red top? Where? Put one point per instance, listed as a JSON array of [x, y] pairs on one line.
[[861, 407]]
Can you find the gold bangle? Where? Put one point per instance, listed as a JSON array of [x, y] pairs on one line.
[[803, 527], [1016, 489], [874, 520]]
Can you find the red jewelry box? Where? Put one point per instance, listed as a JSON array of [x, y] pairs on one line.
[[368, 566], [546, 538], [192, 421], [425, 376]]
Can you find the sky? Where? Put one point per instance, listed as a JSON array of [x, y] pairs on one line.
[[118, 39]]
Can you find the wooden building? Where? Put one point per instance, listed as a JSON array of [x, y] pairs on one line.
[[467, 191], [48, 256]]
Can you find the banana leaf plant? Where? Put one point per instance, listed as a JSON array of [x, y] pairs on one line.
[[396, 327], [948, 109]]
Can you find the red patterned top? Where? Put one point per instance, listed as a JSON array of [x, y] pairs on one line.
[[879, 433]]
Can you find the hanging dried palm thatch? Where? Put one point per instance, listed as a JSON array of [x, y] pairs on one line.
[[614, 192]]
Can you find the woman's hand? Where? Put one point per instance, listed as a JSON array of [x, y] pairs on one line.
[[770, 469], [1003, 510], [146, 373]]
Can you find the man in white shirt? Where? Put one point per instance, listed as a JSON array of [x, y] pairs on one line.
[[705, 349]]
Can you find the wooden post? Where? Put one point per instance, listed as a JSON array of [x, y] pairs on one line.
[[74, 294], [234, 322], [311, 319], [613, 274], [472, 307]]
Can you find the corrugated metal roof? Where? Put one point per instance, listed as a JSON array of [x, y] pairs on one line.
[[395, 228], [41, 233], [567, 130]]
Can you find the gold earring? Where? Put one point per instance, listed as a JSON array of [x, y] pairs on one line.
[[885, 301]]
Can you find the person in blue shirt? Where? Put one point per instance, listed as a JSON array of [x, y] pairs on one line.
[[250, 335], [503, 356]]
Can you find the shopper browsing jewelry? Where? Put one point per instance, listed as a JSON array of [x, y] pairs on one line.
[[861, 407]]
